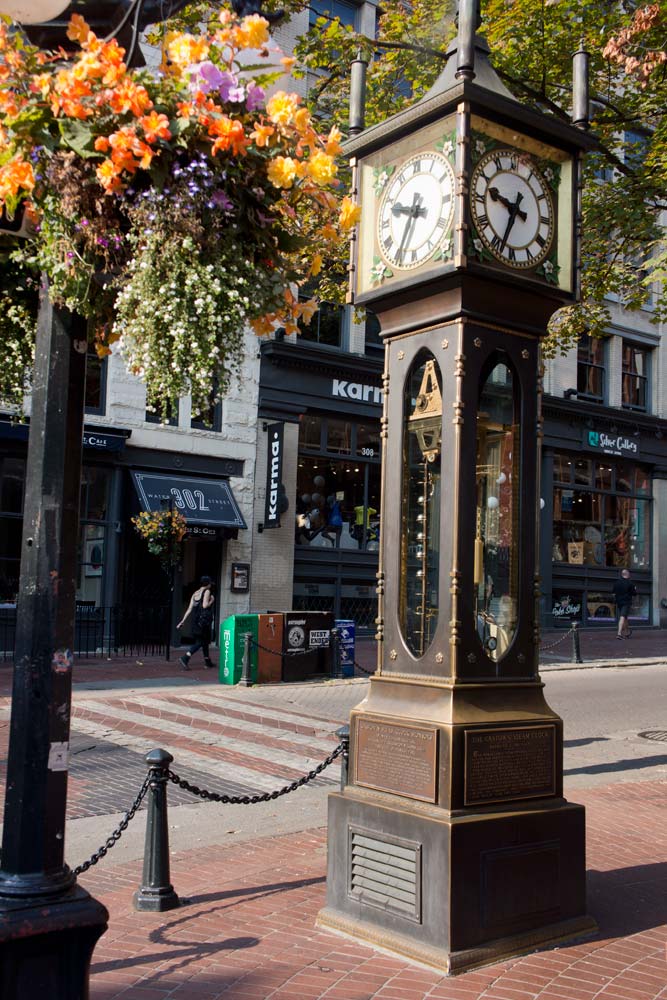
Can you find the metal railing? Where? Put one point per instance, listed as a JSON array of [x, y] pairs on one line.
[[120, 630]]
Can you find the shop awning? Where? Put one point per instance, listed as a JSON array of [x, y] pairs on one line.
[[201, 501]]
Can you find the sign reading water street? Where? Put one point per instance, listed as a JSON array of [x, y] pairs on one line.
[[204, 501]]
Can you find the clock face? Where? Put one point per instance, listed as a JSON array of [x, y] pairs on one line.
[[416, 211], [512, 208]]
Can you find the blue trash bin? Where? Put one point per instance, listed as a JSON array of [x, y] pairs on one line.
[[346, 635]]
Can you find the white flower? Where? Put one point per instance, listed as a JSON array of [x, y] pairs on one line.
[[478, 245], [448, 147], [547, 267], [378, 272], [480, 147]]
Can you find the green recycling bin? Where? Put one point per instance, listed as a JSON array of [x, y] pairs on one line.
[[232, 631]]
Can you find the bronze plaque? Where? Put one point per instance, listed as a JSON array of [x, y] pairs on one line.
[[391, 757], [505, 764]]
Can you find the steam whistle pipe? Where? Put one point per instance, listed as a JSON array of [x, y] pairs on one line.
[[469, 22], [358, 94], [581, 113]]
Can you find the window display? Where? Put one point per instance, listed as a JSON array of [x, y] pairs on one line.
[[607, 526], [338, 499], [420, 505], [496, 564]]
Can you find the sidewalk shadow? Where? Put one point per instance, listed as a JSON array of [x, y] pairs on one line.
[[186, 952], [632, 764], [626, 901]]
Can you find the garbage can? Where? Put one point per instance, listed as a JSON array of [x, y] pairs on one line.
[[232, 631], [270, 653], [346, 636], [307, 644]]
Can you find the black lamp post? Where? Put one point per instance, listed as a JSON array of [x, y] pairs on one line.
[[49, 925]]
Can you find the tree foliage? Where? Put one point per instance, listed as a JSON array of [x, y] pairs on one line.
[[532, 42]]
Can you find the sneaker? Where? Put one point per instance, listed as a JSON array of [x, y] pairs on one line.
[[208, 664], [183, 660], [619, 636]]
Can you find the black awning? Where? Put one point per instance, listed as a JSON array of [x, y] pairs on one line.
[[201, 501]]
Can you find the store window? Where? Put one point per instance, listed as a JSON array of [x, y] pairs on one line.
[[634, 377], [326, 326], [168, 416], [591, 369], [93, 534], [601, 609], [341, 9], [12, 488], [608, 525], [338, 484], [96, 382], [210, 417]]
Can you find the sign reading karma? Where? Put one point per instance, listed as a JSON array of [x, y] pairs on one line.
[[274, 475]]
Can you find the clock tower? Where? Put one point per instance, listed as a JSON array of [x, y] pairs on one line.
[[451, 842]]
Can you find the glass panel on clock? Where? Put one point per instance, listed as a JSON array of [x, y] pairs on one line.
[[497, 537], [420, 504]]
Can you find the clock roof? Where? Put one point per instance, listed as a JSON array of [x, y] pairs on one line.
[[469, 77]]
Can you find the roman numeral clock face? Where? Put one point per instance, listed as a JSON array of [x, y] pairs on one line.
[[416, 211], [512, 208]]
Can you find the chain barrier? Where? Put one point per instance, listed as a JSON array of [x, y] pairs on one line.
[[364, 670], [248, 800], [113, 839], [559, 640], [289, 652]]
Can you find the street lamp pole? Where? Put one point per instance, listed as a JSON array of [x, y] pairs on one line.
[[48, 924]]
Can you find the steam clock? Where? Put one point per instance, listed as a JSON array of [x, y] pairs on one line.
[[452, 843]]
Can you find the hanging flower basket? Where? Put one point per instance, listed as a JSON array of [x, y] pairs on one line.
[[203, 201], [163, 531]]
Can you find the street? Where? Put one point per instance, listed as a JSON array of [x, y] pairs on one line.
[[247, 740]]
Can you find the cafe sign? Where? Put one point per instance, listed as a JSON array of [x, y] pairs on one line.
[[611, 443]]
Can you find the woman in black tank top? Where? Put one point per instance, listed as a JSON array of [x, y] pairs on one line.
[[201, 609]]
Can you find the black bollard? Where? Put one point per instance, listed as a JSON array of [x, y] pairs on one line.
[[246, 666], [343, 735], [156, 892], [576, 644], [336, 669]]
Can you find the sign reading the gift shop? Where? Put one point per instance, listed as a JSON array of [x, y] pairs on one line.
[[274, 475], [611, 443]]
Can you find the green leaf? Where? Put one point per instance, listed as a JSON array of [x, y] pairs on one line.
[[78, 136]]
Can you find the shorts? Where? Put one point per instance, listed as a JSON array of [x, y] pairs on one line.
[[623, 610]]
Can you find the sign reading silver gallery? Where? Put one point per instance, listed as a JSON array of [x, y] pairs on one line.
[[611, 443]]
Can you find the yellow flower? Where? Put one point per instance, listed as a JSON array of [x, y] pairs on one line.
[[252, 33], [349, 214], [184, 49], [333, 146], [302, 120], [322, 168], [282, 171], [282, 108], [308, 309]]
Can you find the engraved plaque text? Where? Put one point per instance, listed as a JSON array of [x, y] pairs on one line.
[[394, 758], [506, 764]]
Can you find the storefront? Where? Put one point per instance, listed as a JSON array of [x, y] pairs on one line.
[[598, 495], [117, 481], [333, 403]]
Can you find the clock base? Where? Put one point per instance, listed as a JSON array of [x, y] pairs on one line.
[[487, 887]]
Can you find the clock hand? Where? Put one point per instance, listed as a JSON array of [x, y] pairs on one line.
[[415, 210], [497, 196], [399, 209], [514, 211]]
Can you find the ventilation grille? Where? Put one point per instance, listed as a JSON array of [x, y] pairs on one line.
[[386, 874]]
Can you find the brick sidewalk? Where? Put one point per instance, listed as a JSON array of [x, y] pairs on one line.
[[248, 933]]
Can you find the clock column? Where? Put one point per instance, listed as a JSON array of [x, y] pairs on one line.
[[452, 843]]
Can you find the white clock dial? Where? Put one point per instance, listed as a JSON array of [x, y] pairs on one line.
[[512, 208], [416, 211]]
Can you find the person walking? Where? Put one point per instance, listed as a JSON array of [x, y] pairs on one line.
[[624, 591], [201, 609]]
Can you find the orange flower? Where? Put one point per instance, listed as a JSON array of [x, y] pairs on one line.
[[252, 33], [15, 175], [186, 109], [228, 134], [130, 96], [333, 146], [155, 126], [349, 214], [261, 135], [108, 174], [102, 144], [78, 30]]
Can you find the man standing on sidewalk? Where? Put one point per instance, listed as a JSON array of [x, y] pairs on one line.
[[624, 591]]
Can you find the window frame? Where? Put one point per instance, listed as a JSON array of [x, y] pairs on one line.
[[585, 366], [644, 380]]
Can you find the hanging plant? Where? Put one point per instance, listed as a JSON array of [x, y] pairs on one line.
[[172, 208], [163, 531]]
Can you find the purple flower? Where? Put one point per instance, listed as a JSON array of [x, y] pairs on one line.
[[220, 200], [230, 90], [205, 77], [255, 97]]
